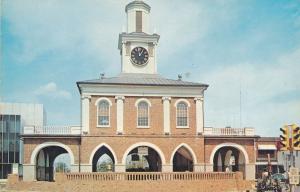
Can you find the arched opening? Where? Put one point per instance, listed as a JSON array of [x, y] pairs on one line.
[[143, 159], [229, 159], [51, 159], [182, 160], [103, 160]]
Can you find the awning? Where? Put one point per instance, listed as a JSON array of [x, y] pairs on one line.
[[267, 147]]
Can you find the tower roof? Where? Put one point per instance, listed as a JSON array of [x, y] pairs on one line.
[[137, 4]]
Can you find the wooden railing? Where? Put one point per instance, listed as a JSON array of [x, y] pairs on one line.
[[149, 176]]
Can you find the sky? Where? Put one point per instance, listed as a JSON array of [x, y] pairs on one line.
[[247, 51]]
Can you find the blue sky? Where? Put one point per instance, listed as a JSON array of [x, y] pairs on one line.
[[247, 51]]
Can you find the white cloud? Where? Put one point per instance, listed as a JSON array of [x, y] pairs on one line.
[[51, 90], [266, 94]]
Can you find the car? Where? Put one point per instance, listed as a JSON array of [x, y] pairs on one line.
[[278, 176]]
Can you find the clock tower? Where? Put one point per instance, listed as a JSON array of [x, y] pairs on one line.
[[137, 46]]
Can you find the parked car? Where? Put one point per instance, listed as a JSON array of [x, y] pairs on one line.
[[279, 177]]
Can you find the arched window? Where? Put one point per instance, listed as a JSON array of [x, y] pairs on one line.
[[143, 114], [103, 113], [182, 114]]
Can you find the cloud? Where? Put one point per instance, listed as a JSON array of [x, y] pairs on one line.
[[51, 90], [264, 97]]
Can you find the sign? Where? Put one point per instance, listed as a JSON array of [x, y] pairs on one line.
[[143, 151], [294, 176]]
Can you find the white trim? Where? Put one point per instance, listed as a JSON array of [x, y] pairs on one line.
[[103, 98], [144, 127], [98, 147], [141, 91], [142, 99], [137, 112], [234, 145], [166, 114], [85, 112], [199, 115], [188, 148], [156, 148], [49, 144], [182, 100], [120, 113], [128, 94], [267, 147], [266, 163], [188, 115], [97, 103]]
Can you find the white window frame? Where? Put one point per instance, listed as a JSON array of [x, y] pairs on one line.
[[109, 104], [188, 116], [137, 112]]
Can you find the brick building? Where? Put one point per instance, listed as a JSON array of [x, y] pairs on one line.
[[268, 146], [140, 121]]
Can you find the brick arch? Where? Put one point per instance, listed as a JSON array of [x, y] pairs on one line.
[[147, 144], [49, 144], [98, 147], [234, 145], [188, 148]]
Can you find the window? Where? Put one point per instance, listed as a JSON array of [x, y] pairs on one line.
[[139, 21], [103, 113], [182, 114], [263, 154], [143, 114]]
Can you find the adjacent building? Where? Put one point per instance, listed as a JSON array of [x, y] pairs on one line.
[[267, 154], [13, 117]]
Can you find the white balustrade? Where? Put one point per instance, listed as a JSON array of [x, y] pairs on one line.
[[52, 130], [248, 131]]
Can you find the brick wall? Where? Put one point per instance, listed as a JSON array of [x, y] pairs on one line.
[[246, 143], [142, 185], [130, 117], [31, 143], [120, 144]]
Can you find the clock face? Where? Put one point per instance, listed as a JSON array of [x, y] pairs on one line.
[[139, 56]]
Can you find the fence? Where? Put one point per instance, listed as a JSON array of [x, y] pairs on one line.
[[183, 176]]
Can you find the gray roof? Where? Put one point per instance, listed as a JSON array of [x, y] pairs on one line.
[[141, 79]]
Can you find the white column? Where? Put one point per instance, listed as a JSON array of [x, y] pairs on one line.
[[166, 103], [120, 109], [199, 115], [120, 168], [85, 168], [29, 172], [250, 171], [74, 168], [15, 168], [167, 168], [85, 113]]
